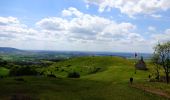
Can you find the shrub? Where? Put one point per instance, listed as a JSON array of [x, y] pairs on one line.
[[20, 71], [73, 75]]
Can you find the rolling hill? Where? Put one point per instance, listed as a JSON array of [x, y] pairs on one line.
[[110, 83]]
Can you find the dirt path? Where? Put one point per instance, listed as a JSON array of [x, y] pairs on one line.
[[151, 90]]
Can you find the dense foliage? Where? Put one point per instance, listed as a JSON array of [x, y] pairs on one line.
[[162, 57], [21, 71]]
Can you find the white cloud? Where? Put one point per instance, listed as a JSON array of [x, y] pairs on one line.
[[66, 13], [132, 7], [87, 27], [151, 28], [8, 20], [156, 16], [162, 37], [12, 29], [52, 23], [71, 11]]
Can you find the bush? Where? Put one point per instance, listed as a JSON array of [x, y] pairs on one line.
[[20, 71], [3, 62], [73, 75], [53, 76]]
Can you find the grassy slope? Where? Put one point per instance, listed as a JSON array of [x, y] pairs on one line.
[[109, 84], [4, 71]]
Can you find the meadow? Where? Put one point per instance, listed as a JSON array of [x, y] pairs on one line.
[[101, 78]]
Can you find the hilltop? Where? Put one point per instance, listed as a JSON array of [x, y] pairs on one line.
[[85, 65]]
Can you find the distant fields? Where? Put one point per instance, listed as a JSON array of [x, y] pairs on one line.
[[109, 82]]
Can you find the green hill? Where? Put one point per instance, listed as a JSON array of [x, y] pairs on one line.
[[109, 82], [85, 65]]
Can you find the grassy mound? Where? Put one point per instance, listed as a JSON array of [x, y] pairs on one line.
[[84, 65]]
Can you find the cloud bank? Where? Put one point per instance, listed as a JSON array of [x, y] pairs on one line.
[[75, 30], [132, 7]]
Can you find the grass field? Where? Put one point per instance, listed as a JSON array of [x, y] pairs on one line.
[[111, 82]]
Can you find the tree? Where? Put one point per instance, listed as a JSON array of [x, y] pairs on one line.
[[156, 61], [163, 52]]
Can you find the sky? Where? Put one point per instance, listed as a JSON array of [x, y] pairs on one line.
[[84, 25]]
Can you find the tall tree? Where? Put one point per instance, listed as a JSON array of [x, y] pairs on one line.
[[163, 51]]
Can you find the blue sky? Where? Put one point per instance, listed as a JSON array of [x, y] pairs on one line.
[[84, 25]]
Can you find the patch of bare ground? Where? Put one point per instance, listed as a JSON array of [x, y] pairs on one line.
[[151, 90]]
